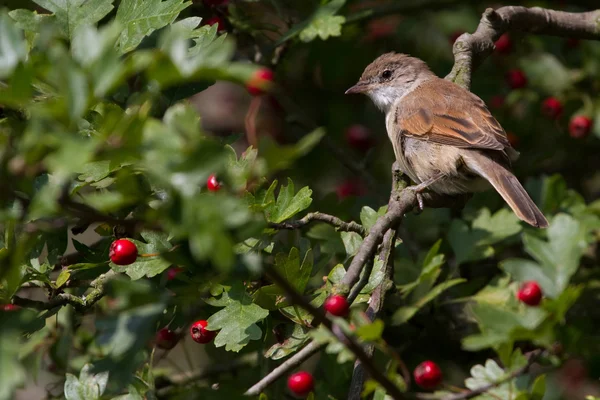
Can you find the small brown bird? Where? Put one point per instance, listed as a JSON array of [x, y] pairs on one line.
[[444, 137]]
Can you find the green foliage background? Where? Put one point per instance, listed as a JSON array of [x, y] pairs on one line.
[[95, 129]]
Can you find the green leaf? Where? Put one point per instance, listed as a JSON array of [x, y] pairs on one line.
[[557, 259], [293, 342], [70, 14], [12, 373], [322, 23], [62, 278], [324, 27], [352, 242], [371, 332], [403, 314], [476, 243], [546, 72], [237, 322], [334, 346], [13, 48], [140, 18], [538, 389], [279, 157], [491, 373], [147, 266], [288, 204], [88, 387]]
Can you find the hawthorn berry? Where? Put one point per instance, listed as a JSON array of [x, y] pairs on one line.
[[428, 375], [301, 383], [166, 339], [504, 44], [497, 102], [455, 35], [337, 305], [260, 81], [516, 79], [123, 252], [215, 20], [512, 139], [552, 107], [359, 137], [212, 183], [199, 332], [173, 272], [530, 293], [580, 126], [10, 307], [349, 188]]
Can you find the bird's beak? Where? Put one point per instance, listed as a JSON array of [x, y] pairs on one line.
[[360, 87]]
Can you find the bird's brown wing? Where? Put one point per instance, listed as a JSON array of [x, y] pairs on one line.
[[442, 112]]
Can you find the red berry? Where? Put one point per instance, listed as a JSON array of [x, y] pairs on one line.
[[530, 293], [260, 80], [123, 252], [428, 375], [199, 332], [359, 137], [10, 307], [349, 188], [455, 35], [497, 102], [516, 79], [173, 272], [580, 126], [337, 305], [166, 339], [512, 139], [504, 44], [212, 183], [301, 383], [215, 20], [552, 107]]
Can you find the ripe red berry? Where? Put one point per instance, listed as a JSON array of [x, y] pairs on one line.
[[530, 293], [212, 183], [173, 272], [199, 332], [260, 80], [215, 20], [580, 126], [10, 307], [301, 383], [359, 137], [516, 79], [552, 107], [503, 44], [166, 339], [428, 375], [512, 139], [497, 102], [123, 252], [455, 35], [349, 188], [337, 305]]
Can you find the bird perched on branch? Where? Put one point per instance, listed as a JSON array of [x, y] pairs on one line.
[[444, 137]]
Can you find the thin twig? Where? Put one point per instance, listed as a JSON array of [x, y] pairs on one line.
[[471, 49], [349, 341], [469, 394], [321, 217], [285, 367], [375, 307]]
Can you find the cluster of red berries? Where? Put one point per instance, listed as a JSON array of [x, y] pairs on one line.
[[221, 27]]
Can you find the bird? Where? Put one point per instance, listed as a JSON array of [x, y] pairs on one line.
[[444, 137]]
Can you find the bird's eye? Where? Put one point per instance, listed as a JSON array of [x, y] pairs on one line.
[[387, 74]]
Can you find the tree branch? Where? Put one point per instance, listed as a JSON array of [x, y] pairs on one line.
[[471, 49], [375, 306], [285, 367], [81, 304], [317, 216], [349, 341]]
